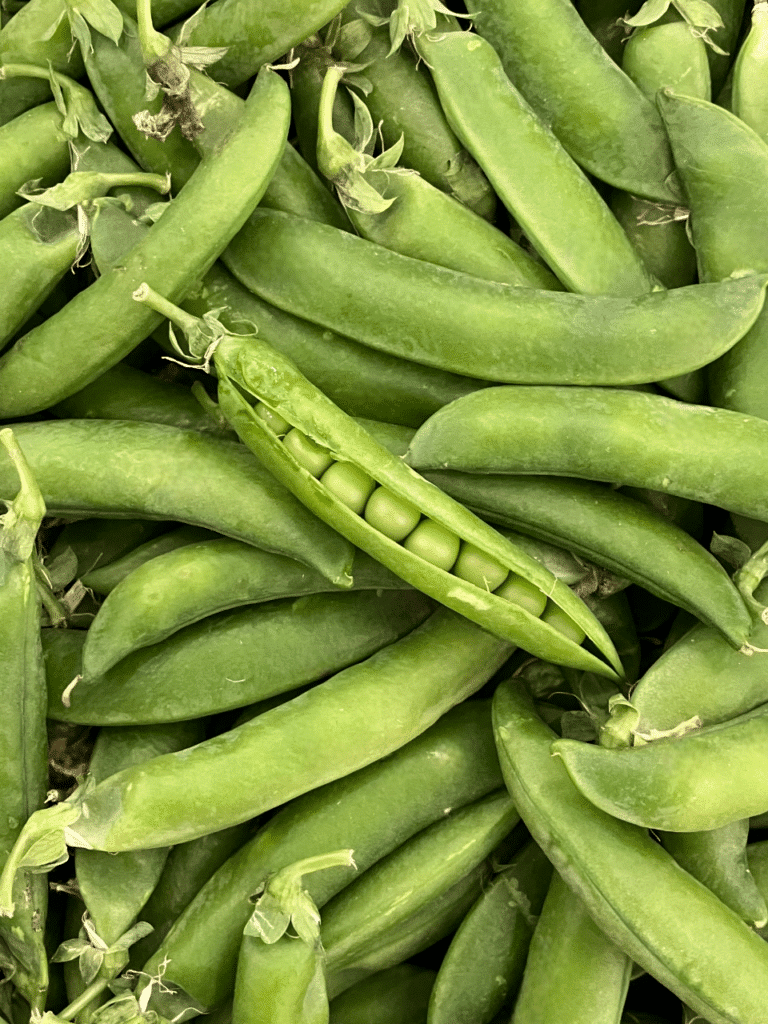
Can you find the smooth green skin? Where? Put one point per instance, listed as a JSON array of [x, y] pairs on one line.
[[718, 858], [97, 542], [104, 578], [375, 809], [727, 218], [613, 530], [373, 908], [484, 963], [750, 100], [404, 100], [399, 993], [359, 715], [619, 436], [573, 970], [243, 656], [668, 55], [115, 888], [727, 38], [281, 983], [184, 586], [362, 381], [306, 84], [125, 393], [153, 471], [303, 267], [290, 394], [661, 241], [613, 866], [596, 111], [546, 192], [698, 781], [33, 146], [188, 867], [32, 268], [74, 346]]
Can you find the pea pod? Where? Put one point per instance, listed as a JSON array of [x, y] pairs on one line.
[[613, 865], [668, 54], [398, 993], [34, 145], [303, 267], [619, 436], [750, 102], [103, 578]]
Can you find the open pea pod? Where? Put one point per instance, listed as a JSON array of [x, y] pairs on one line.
[[283, 390]]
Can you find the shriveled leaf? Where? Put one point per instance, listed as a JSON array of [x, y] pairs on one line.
[[363, 125], [389, 158], [201, 57], [619, 729], [63, 569]]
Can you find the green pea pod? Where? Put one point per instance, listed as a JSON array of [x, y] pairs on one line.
[[660, 237], [451, 764], [154, 471], [668, 55], [572, 967], [398, 993], [288, 393], [546, 192], [115, 888], [104, 578], [87, 544], [598, 113], [750, 102], [246, 654], [613, 865], [70, 349], [34, 145], [184, 586], [613, 530], [619, 436], [482, 969], [23, 736], [303, 267]]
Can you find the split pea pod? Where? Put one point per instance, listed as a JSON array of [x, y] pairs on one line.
[[485, 328], [23, 739], [151, 471], [451, 764], [613, 865], [599, 114], [619, 436], [542, 187], [96, 328]]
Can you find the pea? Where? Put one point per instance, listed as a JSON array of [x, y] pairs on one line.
[[390, 514], [523, 592], [563, 623], [274, 420], [349, 484], [477, 567], [433, 543], [309, 453]]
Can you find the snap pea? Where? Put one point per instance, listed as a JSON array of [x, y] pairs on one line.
[[451, 764], [24, 769], [750, 103], [619, 436], [483, 966], [546, 192], [599, 114], [246, 655], [613, 530], [92, 543], [398, 993], [71, 348], [659, 236], [668, 54], [726, 39], [34, 145], [176, 589], [572, 967], [613, 865], [302, 267]]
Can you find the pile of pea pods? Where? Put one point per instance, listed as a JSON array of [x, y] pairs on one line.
[[384, 443]]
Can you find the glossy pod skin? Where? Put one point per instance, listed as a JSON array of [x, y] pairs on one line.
[[399, 993], [621, 437], [283, 983], [700, 780], [668, 55], [546, 192], [749, 98], [314, 738], [599, 115], [244, 656], [613, 530], [96, 328], [106, 575], [34, 145], [451, 764], [613, 865], [302, 267]]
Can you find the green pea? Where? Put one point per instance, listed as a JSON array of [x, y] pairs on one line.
[[475, 566], [433, 543], [390, 514], [309, 453], [274, 420], [523, 592], [563, 623], [349, 484]]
